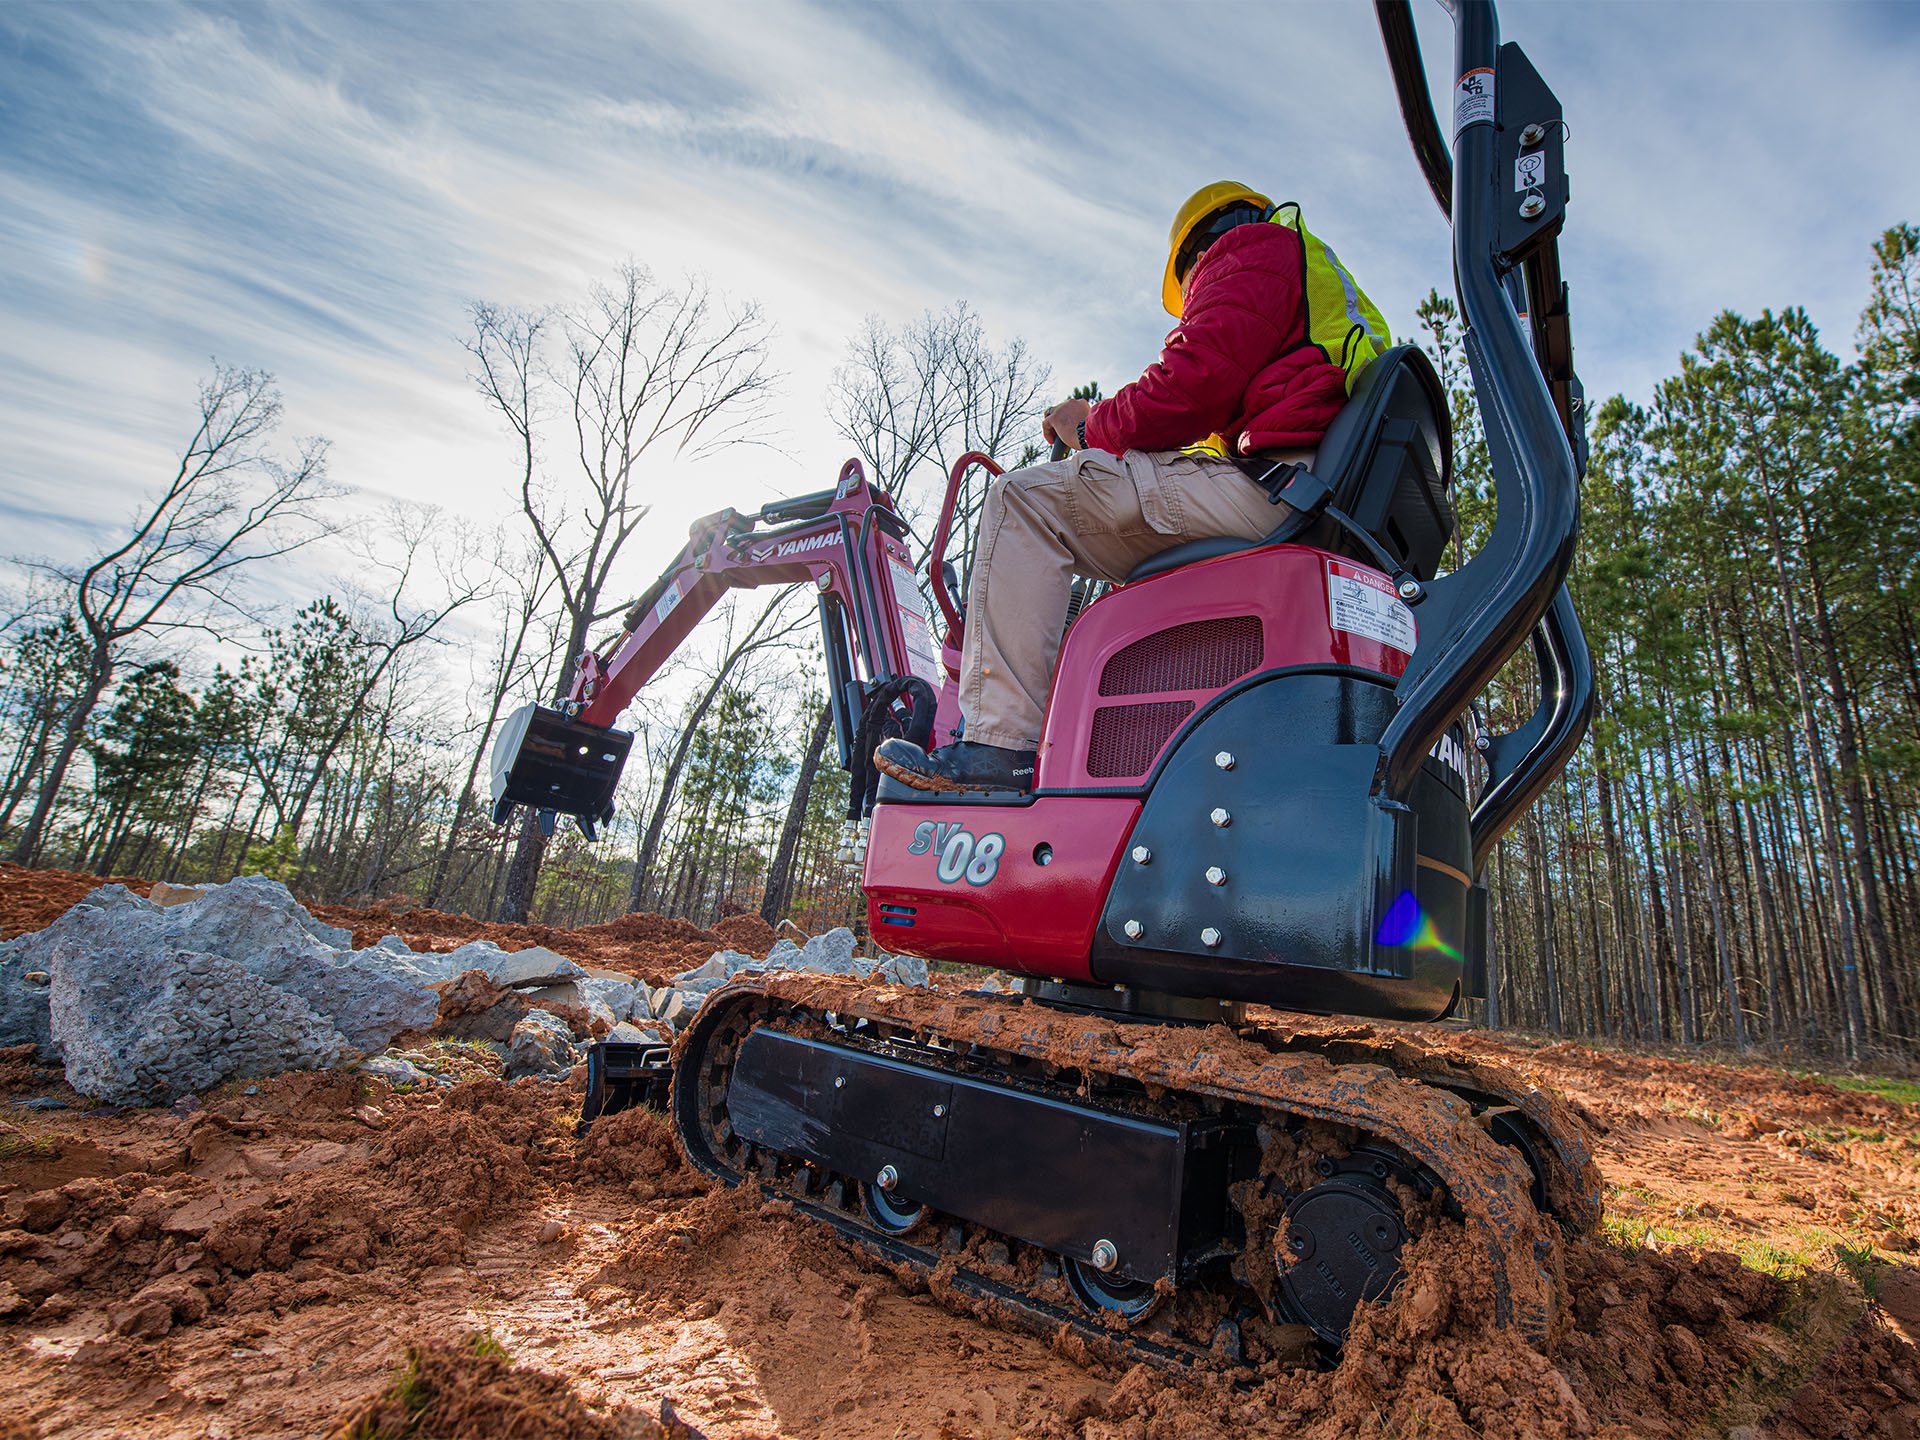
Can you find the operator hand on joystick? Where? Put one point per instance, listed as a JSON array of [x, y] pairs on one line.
[[1065, 424]]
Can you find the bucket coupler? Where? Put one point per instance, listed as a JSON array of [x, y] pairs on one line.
[[557, 765]]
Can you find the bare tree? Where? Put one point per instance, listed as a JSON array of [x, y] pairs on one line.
[[524, 586], [760, 635], [230, 504], [645, 365], [913, 401], [387, 623]]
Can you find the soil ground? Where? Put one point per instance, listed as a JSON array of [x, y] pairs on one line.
[[320, 1255]]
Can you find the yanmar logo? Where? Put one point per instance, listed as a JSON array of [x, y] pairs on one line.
[[1451, 753], [796, 547]]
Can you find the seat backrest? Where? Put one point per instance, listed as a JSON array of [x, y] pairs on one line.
[[1388, 458]]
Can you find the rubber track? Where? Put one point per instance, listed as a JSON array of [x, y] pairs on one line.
[[1489, 1183]]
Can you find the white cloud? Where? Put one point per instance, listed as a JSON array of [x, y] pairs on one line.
[[320, 190]]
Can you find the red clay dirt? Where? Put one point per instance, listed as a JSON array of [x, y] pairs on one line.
[[266, 1264]]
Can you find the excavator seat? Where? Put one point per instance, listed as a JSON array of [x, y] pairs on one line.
[[1388, 458]]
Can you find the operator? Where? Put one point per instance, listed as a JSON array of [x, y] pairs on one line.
[[1241, 370]]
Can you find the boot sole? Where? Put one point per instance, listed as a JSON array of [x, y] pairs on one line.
[[939, 784]]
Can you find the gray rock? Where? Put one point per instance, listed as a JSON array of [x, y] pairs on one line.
[[540, 1045], [396, 1071], [23, 1002], [364, 1001], [670, 1007], [785, 955], [642, 1006], [636, 1035], [614, 997], [829, 954], [136, 1027], [515, 968], [903, 970], [735, 962], [714, 967], [245, 915], [418, 968]]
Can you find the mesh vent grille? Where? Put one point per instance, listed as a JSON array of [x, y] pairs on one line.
[[1204, 655], [1126, 738]]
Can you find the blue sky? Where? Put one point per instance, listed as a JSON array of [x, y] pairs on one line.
[[320, 190]]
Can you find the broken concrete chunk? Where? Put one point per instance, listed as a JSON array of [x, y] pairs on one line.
[[635, 1035], [247, 914], [535, 966], [395, 1071], [402, 964], [785, 955], [642, 1006], [902, 970], [610, 1000], [366, 1003], [540, 1045], [829, 954], [714, 967], [670, 1007], [140, 1029]]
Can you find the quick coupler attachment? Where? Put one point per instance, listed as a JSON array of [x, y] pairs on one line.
[[558, 766]]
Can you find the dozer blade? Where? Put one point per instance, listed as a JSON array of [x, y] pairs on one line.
[[552, 763]]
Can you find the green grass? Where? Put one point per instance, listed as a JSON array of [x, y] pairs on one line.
[[1907, 1092], [485, 1345], [16, 1146]]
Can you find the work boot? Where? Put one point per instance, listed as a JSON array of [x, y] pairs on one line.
[[963, 765]]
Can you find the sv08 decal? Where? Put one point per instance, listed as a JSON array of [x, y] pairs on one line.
[[961, 856]]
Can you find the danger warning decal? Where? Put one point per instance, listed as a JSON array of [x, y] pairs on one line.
[[1473, 99], [914, 625], [1361, 602]]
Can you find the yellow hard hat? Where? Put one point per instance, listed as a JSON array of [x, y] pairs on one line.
[[1202, 203]]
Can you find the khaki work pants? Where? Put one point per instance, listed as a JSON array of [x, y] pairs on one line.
[[1090, 514]]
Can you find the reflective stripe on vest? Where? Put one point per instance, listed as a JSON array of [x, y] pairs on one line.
[[1345, 325]]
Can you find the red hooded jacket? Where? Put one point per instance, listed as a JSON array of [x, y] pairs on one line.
[[1238, 364]]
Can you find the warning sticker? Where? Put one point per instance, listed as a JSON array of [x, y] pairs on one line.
[[1530, 170], [1362, 602], [1473, 99], [663, 607], [914, 626]]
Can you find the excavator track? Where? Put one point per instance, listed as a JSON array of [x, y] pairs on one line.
[[1456, 1142]]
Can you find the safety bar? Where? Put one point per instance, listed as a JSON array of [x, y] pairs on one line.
[[1522, 764], [1474, 619], [1416, 100], [937, 556]]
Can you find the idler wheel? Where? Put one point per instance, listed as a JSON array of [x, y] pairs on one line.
[[1342, 1245], [1107, 1294], [890, 1213]]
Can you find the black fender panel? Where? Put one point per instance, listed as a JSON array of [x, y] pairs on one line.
[[1273, 875]]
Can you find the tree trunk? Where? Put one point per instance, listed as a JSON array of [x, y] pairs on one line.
[[28, 849], [779, 893]]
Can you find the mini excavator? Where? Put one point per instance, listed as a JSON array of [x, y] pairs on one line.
[[1262, 794]]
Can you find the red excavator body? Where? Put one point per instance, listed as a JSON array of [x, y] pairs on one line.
[[1262, 781]]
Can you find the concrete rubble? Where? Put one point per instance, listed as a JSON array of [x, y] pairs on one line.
[[145, 1003], [542, 1045], [829, 954]]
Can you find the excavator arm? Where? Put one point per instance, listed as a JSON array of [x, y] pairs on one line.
[[848, 542]]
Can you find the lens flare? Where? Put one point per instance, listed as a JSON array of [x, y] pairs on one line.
[[1406, 924]]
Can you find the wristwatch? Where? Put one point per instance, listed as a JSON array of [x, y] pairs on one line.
[[1081, 431]]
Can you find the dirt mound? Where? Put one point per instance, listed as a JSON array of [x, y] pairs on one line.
[[34, 899], [469, 1390], [648, 945], [265, 1263], [748, 934]]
